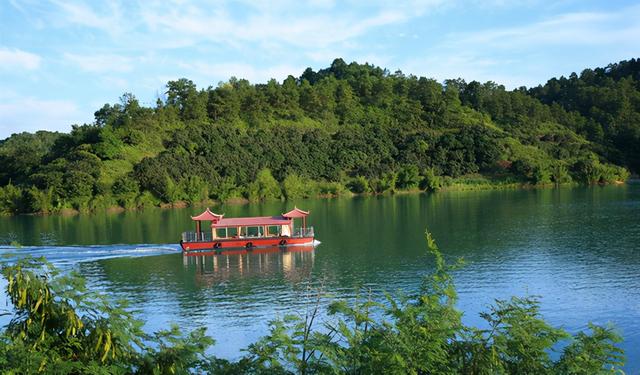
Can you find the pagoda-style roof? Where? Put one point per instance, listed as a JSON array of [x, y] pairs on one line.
[[251, 221], [207, 215], [296, 213]]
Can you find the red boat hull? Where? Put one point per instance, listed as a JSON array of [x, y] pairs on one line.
[[260, 250], [244, 243]]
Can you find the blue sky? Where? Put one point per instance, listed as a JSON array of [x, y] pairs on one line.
[[62, 60]]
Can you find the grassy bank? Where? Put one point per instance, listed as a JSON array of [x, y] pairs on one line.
[[295, 189]]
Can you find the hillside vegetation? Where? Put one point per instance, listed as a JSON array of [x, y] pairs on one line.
[[350, 127]]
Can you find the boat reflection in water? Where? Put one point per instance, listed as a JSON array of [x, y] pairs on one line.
[[294, 263]]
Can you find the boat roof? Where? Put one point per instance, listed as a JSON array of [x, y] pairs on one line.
[[296, 213], [207, 215], [251, 221]]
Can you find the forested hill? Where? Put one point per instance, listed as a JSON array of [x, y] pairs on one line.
[[608, 100], [350, 126]]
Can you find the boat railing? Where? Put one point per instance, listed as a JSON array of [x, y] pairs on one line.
[[303, 232], [197, 237]]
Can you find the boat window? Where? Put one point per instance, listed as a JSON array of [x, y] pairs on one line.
[[232, 232], [221, 232], [253, 231], [273, 230]]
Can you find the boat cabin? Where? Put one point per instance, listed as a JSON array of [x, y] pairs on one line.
[[248, 231]]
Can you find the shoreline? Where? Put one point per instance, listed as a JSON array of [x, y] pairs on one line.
[[466, 184]]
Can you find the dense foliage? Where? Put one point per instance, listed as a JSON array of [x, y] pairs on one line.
[[348, 127], [604, 104], [59, 327]]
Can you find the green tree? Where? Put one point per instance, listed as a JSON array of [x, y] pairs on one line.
[[344, 121], [560, 173], [408, 177], [358, 185], [109, 146], [78, 184], [296, 187], [383, 184], [22, 153], [195, 189], [594, 353], [587, 170], [264, 187], [39, 200], [10, 199], [126, 189], [430, 180], [191, 103], [58, 326]]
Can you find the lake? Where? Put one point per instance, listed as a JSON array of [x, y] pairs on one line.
[[578, 248]]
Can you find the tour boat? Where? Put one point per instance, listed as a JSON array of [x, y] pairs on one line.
[[247, 232]]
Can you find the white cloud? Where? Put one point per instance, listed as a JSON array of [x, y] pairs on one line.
[[568, 29], [101, 63], [285, 22], [19, 114], [116, 82], [262, 32], [111, 21], [531, 53], [323, 4], [14, 58]]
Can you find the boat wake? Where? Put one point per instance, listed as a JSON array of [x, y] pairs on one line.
[[69, 255]]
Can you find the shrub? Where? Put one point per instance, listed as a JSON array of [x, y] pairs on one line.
[[36, 200], [101, 202], [109, 146], [265, 187], [172, 192], [358, 185], [146, 199], [10, 199], [77, 184], [533, 170], [58, 326], [587, 170], [560, 173], [227, 190], [333, 189], [408, 177], [430, 180], [296, 187], [386, 183], [195, 189], [611, 173], [125, 185]]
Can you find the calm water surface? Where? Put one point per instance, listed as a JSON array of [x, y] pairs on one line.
[[578, 248]]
